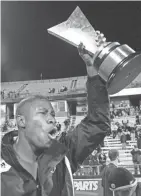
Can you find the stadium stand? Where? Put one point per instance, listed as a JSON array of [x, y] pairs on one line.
[[81, 83], [16, 87], [44, 86]]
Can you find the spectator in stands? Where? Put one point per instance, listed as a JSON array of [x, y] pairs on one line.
[[63, 89], [123, 183], [93, 162], [137, 131], [102, 159], [112, 116], [66, 124], [137, 120], [119, 130], [4, 127], [128, 135], [133, 133], [8, 94], [136, 157], [51, 90], [114, 130], [58, 125], [123, 139], [2, 94], [139, 142], [114, 159], [36, 147]]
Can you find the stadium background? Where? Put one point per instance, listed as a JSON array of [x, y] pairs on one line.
[[69, 100]]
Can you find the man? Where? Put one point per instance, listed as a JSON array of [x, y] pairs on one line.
[[119, 130], [93, 162], [123, 183], [123, 139], [114, 130], [39, 165], [136, 157], [102, 159], [114, 159], [139, 141]]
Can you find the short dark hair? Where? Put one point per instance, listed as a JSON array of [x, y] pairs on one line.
[[29, 99], [113, 154]]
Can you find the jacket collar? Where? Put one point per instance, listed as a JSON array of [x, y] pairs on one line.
[[50, 157]]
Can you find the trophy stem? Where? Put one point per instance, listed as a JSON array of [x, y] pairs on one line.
[[110, 57]]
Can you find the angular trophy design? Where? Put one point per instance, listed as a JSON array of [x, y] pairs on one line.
[[118, 65]]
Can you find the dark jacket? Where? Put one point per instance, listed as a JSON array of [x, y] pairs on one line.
[[105, 173], [130, 191], [123, 138], [54, 176], [139, 142]]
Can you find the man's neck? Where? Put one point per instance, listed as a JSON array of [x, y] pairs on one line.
[[26, 157], [114, 162], [24, 151]]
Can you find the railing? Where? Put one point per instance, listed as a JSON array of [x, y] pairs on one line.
[[95, 170]]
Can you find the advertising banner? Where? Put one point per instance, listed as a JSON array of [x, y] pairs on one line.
[[87, 187]]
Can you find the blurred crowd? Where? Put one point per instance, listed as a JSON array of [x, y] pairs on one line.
[[126, 131], [93, 164], [123, 109], [16, 94], [12, 94]]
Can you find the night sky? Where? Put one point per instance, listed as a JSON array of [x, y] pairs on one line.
[[27, 50]]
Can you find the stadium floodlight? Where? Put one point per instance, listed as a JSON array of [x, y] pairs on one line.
[[118, 65]]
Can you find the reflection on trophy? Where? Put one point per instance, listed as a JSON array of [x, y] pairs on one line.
[[118, 65]]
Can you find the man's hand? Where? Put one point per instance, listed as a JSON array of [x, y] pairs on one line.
[[88, 59]]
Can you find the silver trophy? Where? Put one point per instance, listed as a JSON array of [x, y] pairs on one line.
[[118, 65]]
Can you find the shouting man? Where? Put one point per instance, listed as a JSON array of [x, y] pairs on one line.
[[36, 163]]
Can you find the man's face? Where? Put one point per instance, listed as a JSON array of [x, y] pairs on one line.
[[40, 129]]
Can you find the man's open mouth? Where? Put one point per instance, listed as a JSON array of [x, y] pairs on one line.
[[53, 133]]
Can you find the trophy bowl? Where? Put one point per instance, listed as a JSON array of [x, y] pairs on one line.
[[118, 65]]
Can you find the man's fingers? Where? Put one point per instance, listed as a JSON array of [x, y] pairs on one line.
[[81, 48], [100, 39]]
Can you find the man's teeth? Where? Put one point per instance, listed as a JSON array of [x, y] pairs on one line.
[[53, 134]]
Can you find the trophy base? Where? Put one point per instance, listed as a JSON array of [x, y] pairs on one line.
[[124, 73]]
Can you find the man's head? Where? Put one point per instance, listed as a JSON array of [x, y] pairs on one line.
[[122, 182], [36, 121], [113, 155]]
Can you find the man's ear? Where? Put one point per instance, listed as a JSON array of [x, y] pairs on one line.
[[21, 121]]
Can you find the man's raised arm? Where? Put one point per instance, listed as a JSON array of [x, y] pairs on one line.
[[92, 129]]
